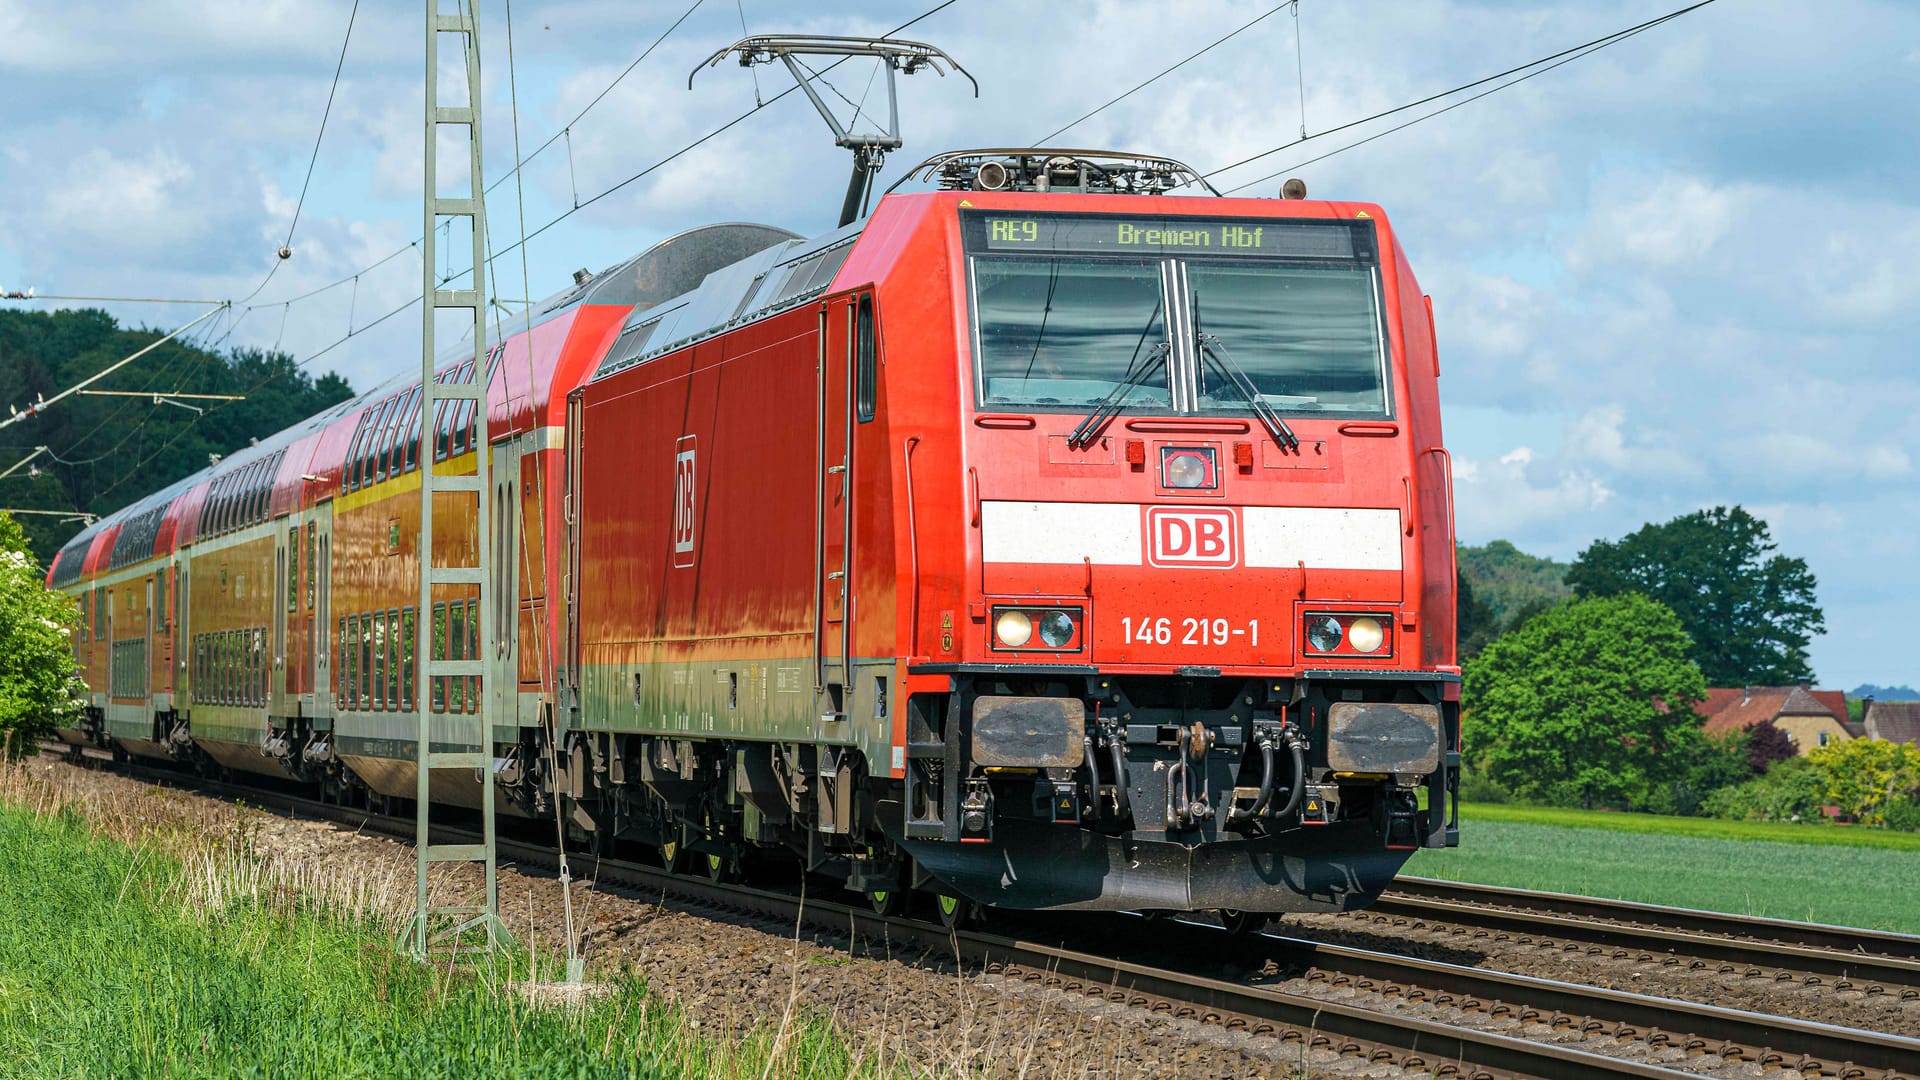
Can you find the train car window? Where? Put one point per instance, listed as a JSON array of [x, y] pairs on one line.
[[350, 664], [393, 658], [442, 428], [379, 680], [473, 653], [312, 533], [351, 467], [376, 467], [293, 568], [410, 431], [160, 608], [457, 650], [1070, 332], [439, 652], [409, 630], [393, 441], [463, 428], [866, 358], [340, 661], [364, 692]]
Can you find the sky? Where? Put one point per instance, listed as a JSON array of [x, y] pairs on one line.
[[1672, 275]]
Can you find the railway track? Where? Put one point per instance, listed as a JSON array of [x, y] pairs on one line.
[[1873, 960], [1313, 1021]]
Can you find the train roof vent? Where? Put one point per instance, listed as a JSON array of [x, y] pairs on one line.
[[1106, 172]]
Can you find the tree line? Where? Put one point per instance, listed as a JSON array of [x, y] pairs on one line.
[[1581, 691], [107, 451]]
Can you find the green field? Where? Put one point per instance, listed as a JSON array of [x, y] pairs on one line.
[[105, 970], [1817, 873]]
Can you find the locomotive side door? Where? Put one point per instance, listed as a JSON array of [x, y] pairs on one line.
[[833, 516]]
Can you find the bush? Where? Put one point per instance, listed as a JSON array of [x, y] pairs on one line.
[[1767, 746], [1793, 790], [39, 688], [1867, 776], [1903, 815]]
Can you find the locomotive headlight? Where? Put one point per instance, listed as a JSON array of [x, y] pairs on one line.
[[1056, 629], [1365, 634], [1186, 471], [1324, 633], [1013, 628], [1188, 467]]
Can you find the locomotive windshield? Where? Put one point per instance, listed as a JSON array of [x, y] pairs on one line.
[[1073, 310]]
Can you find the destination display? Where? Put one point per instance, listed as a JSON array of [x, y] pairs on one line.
[[1161, 236]]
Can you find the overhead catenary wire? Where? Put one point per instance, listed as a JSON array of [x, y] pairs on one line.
[[407, 305], [564, 133], [40, 406], [1585, 51], [1602, 41], [1163, 73]]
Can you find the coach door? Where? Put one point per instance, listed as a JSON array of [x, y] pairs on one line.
[[286, 578], [325, 638], [503, 677], [182, 630]]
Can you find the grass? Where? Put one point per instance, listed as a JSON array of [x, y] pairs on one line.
[[129, 960], [1814, 873]]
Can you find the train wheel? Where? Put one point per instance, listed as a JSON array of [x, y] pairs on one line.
[[720, 868], [890, 902], [673, 853], [955, 911], [1243, 923]]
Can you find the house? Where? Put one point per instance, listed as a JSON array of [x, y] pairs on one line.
[[1809, 717], [1894, 721]]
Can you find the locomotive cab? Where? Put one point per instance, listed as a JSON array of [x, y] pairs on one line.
[[1202, 655]]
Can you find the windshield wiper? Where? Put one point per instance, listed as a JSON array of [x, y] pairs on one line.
[[1223, 365], [1110, 406]]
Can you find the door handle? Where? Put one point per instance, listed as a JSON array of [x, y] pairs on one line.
[[831, 469]]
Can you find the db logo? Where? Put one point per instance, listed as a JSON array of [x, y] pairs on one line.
[[1183, 537], [683, 489]]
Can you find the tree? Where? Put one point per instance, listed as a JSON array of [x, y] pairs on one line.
[[1583, 703], [1767, 745], [1749, 612], [39, 688], [1474, 620]]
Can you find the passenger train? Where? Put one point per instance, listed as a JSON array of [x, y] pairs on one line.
[[1043, 539]]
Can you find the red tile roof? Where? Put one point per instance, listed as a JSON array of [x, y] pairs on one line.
[[1737, 708]]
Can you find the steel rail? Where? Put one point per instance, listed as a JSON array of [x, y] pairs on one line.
[[1693, 920], [1706, 935], [1741, 1035]]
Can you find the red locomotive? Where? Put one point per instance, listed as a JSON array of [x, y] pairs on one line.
[[1043, 540]]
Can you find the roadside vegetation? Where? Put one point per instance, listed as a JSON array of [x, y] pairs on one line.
[[157, 951], [39, 687]]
